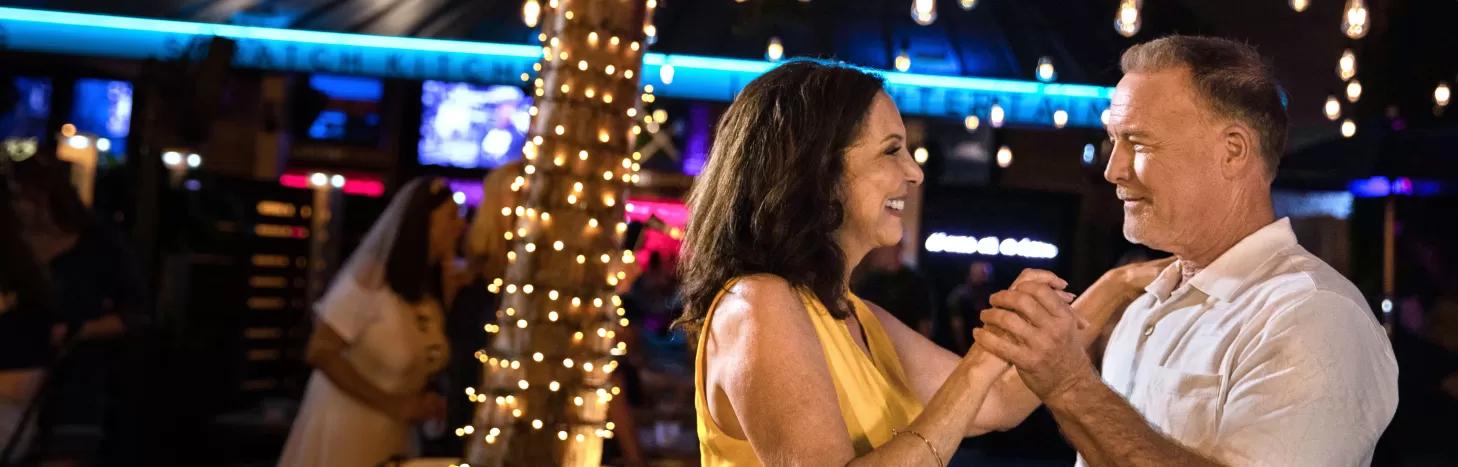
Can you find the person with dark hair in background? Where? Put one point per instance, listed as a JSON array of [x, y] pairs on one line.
[[965, 304], [27, 315], [378, 337], [808, 173], [899, 289], [98, 296]]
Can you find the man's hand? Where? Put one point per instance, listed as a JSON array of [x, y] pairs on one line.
[[1034, 328]]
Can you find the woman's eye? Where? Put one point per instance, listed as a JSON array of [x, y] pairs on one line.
[[894, 150]]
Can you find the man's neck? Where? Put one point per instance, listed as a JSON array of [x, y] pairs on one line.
[[1198, 257]]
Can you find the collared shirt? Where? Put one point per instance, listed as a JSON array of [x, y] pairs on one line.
[[1267, 357]]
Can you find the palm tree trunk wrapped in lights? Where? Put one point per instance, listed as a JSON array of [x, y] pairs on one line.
[[546, 386]]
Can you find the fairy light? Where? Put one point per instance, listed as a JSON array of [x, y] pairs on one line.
[[579, 77]]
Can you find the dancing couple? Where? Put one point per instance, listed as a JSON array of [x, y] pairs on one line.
[[1241, 350]]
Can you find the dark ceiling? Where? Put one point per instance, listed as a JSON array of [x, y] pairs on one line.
[[1409, 49]]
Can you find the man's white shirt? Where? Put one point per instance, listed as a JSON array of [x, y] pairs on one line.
[[1267, 357]]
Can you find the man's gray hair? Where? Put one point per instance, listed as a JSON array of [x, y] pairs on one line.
[[1230, 77]]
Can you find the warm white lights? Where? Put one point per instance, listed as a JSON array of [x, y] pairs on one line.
[[1333, 108], [1128, 20], [1355, 20], [1004, 157], [1349, 128]]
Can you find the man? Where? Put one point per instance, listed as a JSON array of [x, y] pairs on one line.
[[965, 304], [1247, 350], [887, 282]]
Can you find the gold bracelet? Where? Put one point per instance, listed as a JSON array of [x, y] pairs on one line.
[[933, 449]]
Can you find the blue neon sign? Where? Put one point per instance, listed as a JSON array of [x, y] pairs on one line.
[[694, 77]]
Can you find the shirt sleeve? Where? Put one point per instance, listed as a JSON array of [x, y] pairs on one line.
[[349, 309], [1315, 387]]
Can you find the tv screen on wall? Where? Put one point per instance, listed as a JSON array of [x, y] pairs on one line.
[[472, 126], [103, 108], [348, 109]]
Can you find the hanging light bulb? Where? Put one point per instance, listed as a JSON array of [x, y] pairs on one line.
[[1354, 19], [920, 155], [967, 5], [1354, 91], [1104, 117], [1128, 19], [1060, 118], [1347, 65], [1349, 128], [1300, 5], [996, 115], [1441, 94], [1004, 157], [531, 12], [665, 74], [923, 11], [1333, 108], [903, 61], [775, 51], [972, 122], [1045, 70]]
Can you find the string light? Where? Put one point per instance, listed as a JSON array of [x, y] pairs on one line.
[[581, 259], [552, 316], [775, 50], [1045, 70], [592, 222], [1004, 157], [996, 115], [1128, 20], [1333, 108], [1442, 94], [576, 301], [1354, 91], [967, 5], [924, 12], [1347, 65], [971, 122], [1349, 128], [1300, 5], [665, 74], [1060, 118], [1354, 19], [903, 61], [919, 155], [557, 245], [1104, 117], [531, 12], [567, 362], [537, 357]]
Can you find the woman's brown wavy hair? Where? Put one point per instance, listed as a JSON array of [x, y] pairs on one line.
[[769, 200]]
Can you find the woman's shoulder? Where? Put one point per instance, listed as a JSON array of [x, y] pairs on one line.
[[759, 300]]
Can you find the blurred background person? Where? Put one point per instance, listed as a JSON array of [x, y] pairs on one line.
[[886, 281], [965, 305], [26, 319], [473, 304], [99, 298], [378, 338]]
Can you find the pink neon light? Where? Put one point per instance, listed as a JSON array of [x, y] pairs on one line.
[[354, 186]]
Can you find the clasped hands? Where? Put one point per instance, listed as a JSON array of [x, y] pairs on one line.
[[1033, 327]]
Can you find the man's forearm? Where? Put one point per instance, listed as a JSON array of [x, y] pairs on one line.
[[1107, 431]]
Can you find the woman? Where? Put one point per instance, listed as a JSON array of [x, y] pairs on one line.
[[807, 174], [378, 338]]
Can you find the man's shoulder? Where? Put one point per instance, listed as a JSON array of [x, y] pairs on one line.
[[1295, 275]]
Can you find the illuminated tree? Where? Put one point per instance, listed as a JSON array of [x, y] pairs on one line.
[[546, 385]]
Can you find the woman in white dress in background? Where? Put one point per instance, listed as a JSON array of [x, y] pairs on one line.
[[378, 337]]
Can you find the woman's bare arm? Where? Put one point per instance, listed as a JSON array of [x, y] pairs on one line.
[[326, 353], [767, 381]]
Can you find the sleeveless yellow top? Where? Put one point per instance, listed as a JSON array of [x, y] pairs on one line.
[[873, 391]]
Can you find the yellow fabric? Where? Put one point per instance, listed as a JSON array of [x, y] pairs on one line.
[[873, 392]]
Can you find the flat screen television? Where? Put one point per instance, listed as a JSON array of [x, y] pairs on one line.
[[472, 126], [348, 109], [103, 108], [26, 118]]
